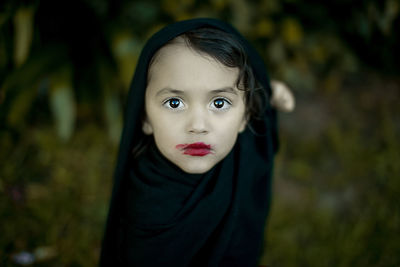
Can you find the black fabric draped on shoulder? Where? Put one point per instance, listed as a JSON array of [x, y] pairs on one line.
[[162, 216]]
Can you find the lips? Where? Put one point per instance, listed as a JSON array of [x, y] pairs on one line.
[[196, 149]]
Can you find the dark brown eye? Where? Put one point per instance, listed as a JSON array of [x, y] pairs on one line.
[[174, 102], [219, 103]]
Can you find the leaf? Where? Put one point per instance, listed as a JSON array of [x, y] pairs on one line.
[[219, 4], [62, 105], [23, 22], [276, 52], [126, 51], [177, 8], [241, 15], [35, 68], [45, 253], [292, 32], [265, 28], [112, 109], [21, 106]]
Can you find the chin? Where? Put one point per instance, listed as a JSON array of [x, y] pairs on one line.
[[196, 168]]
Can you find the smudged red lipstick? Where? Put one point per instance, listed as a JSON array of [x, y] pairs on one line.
[[196, 149]]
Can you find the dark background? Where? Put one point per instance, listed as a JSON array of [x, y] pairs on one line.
[[65, 69]]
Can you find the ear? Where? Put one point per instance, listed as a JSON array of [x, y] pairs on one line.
[[282, 97], [146, 127], [243, 124]]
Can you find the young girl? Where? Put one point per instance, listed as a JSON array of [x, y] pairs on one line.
[[193, 178]]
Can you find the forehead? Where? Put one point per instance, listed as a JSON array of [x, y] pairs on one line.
[[179, 66]]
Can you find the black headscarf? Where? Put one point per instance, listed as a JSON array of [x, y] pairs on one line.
[[162, 216]]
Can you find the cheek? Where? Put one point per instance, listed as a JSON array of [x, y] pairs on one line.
[[229, 136], [165, 130], [156, 117], [234, 121], [228, 131]]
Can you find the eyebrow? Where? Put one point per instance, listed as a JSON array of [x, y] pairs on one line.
[[167, 90], [225, 90]]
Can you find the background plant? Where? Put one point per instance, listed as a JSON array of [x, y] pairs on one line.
[[65, 69]]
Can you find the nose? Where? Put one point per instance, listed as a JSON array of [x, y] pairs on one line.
[[198, 121]]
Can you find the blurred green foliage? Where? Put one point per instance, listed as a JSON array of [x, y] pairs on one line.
[[65, 69]]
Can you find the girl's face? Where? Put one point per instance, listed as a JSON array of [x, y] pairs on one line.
[[193, 108]]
